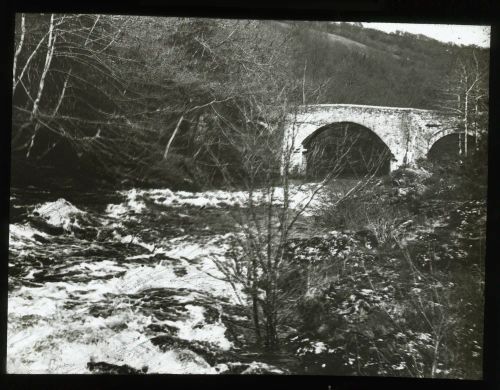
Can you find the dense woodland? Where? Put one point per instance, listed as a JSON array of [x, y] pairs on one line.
[[152, 101]]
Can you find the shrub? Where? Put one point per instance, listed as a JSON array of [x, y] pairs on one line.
[[411, 306], [374, 209], [459, 180]]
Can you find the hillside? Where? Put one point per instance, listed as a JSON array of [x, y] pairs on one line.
[[368, 66]]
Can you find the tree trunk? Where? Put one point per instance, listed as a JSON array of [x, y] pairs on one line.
[[256, 322], [476, 126], [18, 51], [304, 83], [48, 59], [466, 120], [271, 334], [165, 154]]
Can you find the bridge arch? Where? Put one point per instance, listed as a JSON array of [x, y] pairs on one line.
[[345, 148], [436, 136], [448, 146]]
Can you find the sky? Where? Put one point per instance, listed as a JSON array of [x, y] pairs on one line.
[[458, 34]]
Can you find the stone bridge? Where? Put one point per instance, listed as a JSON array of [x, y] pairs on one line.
[[409, 133]]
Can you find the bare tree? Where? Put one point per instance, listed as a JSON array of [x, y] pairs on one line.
[[255, 129], [269, 218], [66, 82], [265, 96], [466, 96]]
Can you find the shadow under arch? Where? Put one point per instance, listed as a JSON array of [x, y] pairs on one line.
[[448, 148], [345, 149]]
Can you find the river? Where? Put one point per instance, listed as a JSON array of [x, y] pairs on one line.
[[124, 282], [127, 282]]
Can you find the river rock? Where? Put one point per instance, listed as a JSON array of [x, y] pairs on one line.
[[108, 368]]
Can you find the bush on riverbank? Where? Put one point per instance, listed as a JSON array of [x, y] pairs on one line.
[[408, 304]]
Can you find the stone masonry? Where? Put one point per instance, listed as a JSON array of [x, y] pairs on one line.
[[409, 133]]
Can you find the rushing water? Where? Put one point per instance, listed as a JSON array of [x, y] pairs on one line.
[[126, 282], [123, 281]]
